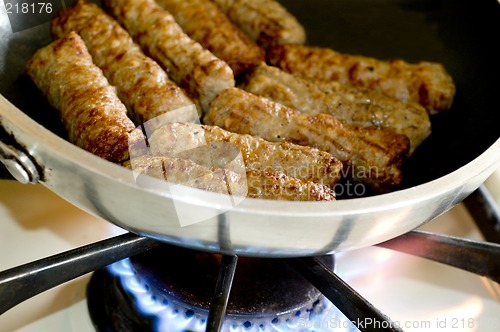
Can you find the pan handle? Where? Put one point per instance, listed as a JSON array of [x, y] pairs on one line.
[[23, 282]]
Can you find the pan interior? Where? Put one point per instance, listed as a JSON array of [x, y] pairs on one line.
[[449, 32]]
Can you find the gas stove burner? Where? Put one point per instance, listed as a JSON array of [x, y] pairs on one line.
[[261, 287], [111, 308], [170, 289]]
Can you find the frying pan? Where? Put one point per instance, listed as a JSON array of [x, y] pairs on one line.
[[463, 150]]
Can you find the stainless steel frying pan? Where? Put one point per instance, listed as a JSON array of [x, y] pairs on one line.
[[462, 152]]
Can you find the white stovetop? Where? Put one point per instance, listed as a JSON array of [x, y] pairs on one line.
[[35, 223]]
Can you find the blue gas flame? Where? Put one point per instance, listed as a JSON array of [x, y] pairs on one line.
[[170, 317]]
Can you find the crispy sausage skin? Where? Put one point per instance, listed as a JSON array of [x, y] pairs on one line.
[[204, 22], [302, 162], [187, 63], [94, 118], [141, 83], [371, 156], [252, 183], [426, 83], [266, 22], [359, 106]]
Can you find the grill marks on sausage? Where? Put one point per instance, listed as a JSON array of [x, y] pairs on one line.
[[249, 183], [376, 155], [94, 117], [359, 106], [219, 146], [189, 173]]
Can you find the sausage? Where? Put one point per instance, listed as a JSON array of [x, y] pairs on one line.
[[93, 115], [141, 83], [189, 173], [190, 141], [252, 183], [278, 186], [187, 63], [266, 22], [204, 22], [426, 83], [359, 106], [371, 156]]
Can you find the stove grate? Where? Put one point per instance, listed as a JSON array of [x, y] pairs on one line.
[[23, 282]]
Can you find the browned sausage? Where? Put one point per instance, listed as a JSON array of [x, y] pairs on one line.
[[252, 183], [141, 83], [370, 155], [266, 21], [426, 83], [187, 63], [204, 22], [360, 106], [188, 140], [94, 117]]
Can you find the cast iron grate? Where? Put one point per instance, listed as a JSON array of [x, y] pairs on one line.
[[21, 283]]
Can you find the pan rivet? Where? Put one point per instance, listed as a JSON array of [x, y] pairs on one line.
[[17, 171], [18, 164]]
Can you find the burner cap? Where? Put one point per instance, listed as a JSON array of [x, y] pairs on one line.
[[261, 287]]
